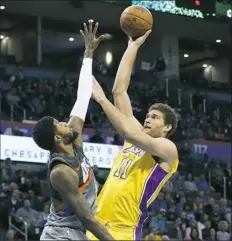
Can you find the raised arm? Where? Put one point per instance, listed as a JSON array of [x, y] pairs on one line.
[[65, 180], [161, 147], [78, 113], [122, 80]]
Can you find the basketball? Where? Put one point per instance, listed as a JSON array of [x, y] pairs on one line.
[[136, 21]]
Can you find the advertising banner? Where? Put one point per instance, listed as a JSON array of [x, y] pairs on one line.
[[24, 149]]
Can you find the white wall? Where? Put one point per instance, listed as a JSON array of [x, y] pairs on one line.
[[218, 71], [15, 47]]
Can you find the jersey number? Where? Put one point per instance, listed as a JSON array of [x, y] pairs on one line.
[[122, 168]]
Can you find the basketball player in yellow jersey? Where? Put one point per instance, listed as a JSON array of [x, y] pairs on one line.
[[147, 161]]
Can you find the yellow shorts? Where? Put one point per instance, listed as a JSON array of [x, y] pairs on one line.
[[119, 233]]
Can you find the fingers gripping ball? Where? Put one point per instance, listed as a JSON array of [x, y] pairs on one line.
[[136, 21]]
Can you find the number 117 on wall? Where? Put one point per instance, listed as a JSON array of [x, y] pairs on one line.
[[200, 149]]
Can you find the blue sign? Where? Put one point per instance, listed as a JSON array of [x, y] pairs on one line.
[[214, 149]]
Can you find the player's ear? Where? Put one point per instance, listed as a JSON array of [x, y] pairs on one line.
[[168, 128], [57, 139]]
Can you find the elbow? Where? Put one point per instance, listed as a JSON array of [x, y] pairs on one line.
[[115, 92], [129, 134], [118, 91]]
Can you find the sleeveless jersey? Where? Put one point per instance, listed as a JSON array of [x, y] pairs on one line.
[[134, 182], [61, 215]]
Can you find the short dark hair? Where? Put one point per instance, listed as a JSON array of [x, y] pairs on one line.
[[43, 133], [170, 116]]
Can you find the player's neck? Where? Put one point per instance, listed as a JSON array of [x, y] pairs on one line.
[[67, 150]]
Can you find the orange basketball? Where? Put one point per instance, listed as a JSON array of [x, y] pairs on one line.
[[136, 20]]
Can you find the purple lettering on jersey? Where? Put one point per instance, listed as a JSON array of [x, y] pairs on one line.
[[152, 183], [137, 151]]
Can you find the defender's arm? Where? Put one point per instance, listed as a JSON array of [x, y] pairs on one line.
[[65, 180], [85, 84], [84, 92]]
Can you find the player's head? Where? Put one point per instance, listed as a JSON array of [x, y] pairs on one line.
[[52, 135], [161, 121]]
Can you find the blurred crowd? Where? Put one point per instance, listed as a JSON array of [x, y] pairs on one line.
[[188, 208], [40, 97]]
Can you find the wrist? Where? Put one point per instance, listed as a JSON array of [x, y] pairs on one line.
[[88, 53], [134, 46], [101, 99]]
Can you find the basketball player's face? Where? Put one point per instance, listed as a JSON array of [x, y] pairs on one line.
[[154, 124], [63, 130]]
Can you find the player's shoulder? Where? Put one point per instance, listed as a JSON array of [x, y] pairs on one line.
[[168, 145]]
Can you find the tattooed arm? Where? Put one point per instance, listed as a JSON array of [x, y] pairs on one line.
[[65, 180]]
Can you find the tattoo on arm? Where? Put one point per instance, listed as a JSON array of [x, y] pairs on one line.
[[65, 180]]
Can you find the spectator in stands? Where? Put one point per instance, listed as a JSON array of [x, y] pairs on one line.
[[185, 222], [44, 215], [213, 235], [203, 196], [189, 211], [26, 213], [159, 203], [153, 235], [188, 232], [198, 205], [209, 206], [215, 220], [180, 205], [26, 185], [4, 211], [6, 164], [179, 228], [36, 203], [202, 185], [171, 214], [177, 181], [10, 235], [117, 140], [159, 221], [201, 223], [5, 86], [13, 97], [197, 132], [168, 187], [222, 206], [217, 174], [228, 174], [36, 186], [228, 215], [16, 202], [206, 233], [189, 184], [222, 234], [97, 138], [194, 235], [168, 199]]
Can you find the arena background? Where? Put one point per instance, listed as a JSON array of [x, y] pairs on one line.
[[186, 62]]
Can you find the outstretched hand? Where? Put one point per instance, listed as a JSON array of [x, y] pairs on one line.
[[89, 35], [140, 40], [98, 93]]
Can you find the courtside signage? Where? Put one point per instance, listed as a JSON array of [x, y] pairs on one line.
[[24, 149]]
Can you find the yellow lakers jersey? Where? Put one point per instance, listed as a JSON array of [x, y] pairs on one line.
[[133, 184]]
